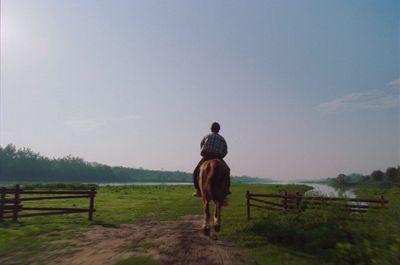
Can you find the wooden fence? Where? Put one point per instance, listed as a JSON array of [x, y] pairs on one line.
[[297, 202], [12, 199]]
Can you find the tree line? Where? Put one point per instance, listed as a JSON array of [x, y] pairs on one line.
[[25, 165], [390, 177], [18, 165]]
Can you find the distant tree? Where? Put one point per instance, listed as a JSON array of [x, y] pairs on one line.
[[398, 173], [341, 179], [392, 174], [365, 178], [378, 175]]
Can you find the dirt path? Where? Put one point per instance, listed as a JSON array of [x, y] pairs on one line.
[[170, 243]]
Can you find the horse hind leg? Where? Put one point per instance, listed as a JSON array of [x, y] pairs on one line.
[[206, 221], [217, 217]]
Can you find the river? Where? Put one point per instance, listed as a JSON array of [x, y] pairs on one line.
[[319, 189], [326, 190]]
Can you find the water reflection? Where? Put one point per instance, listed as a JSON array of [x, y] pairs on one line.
[[326, 190], [319, 189]]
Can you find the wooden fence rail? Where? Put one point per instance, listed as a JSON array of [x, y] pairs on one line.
[[297, 202], [12, 207]]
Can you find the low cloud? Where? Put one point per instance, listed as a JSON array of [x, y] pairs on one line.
[[93, 124], [395, 83], [375, 99]]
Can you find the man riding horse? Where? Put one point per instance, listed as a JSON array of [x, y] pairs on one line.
[[213, 146]]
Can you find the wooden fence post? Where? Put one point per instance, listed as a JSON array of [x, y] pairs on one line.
[[16, 203], [285, 202], [2, 198], [248, 205], [91, 203], [298, 200], [382, 201]]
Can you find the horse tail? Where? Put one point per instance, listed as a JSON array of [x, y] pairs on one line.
[[213, 179], [210, 182], [218, 189]]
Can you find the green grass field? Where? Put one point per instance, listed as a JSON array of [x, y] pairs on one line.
[[313, 237]]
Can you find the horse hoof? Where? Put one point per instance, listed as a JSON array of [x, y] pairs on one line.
[[217, 228], [206, 231], [214, 236]]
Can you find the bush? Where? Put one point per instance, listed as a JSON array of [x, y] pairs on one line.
[[328, 234], [311, 231]]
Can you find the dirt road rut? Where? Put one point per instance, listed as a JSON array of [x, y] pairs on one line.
[[170, 243]]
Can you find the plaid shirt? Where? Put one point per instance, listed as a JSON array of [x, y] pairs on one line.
[[214, 143]]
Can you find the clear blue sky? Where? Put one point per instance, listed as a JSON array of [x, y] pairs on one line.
[[302, 89]]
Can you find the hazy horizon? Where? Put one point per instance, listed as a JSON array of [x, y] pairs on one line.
[[302, 90], [141, 168]]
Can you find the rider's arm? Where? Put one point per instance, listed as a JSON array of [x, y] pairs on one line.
[[202, 142], [225, 149]]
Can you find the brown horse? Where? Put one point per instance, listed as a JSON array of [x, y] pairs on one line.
[[214, 186]]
